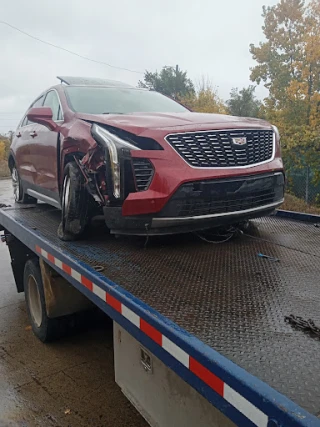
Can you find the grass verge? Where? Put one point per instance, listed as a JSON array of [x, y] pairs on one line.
[[292, 203]]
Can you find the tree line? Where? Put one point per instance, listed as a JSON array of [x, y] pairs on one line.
[[4, 153], [4, 147], [287, 64], [201, 96]]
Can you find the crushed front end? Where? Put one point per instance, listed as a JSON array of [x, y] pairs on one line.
[[163, 181]]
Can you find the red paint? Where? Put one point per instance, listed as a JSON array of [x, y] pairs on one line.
[[43, 116], [66, 268], [171, 171], [152, 332], [114, 303], [38, 249], [40, 162], [206, 376], [51, 258], [87, 283]]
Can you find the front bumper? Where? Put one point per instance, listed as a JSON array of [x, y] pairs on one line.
[[205, 204]]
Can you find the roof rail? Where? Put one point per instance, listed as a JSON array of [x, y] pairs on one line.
[[91, 81]]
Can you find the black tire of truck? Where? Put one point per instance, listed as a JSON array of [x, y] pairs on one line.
[[45, 328], [19, 195], [75, 204]]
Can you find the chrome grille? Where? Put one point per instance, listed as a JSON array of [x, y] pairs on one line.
[[217, 148], [143, 171]]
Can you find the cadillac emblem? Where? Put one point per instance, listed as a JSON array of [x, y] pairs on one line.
[[241, 140]]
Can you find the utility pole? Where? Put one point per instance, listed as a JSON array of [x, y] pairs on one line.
[[176, 82]]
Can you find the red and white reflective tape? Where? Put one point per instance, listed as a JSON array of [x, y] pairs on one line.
[[239, 402]]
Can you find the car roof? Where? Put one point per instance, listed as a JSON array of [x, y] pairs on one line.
[[91, 81]]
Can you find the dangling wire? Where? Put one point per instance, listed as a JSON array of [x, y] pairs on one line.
[[231, 231], [147, 238], [216, 242]]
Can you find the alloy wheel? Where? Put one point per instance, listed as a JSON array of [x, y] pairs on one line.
[[34, 301], [15, 184], [65, 199]]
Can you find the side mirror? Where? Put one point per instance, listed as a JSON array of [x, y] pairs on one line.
[[43, 116]]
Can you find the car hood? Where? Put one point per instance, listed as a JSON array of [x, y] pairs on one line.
[[138, 123]]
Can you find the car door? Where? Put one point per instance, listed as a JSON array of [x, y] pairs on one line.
[[47, 150], [23, 148]]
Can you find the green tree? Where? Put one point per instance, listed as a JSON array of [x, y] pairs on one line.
[[278, 55], [2, 150], [205, 99], [4, 147], [288, 63], [244, 103], [170, 81], [4, 153]]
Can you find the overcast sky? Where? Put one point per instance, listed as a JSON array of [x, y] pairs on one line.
[[205, 37]]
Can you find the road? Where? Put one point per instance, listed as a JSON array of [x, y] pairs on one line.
[[67, 383]]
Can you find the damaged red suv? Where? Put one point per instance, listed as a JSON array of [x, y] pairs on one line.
[[151, 165]]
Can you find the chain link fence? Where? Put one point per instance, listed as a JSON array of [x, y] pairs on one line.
[[301, 183], [302, 189]]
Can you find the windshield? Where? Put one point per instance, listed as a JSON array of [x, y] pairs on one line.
[[108, 100]]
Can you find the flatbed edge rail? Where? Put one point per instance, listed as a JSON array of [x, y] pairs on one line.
[[242, 397]]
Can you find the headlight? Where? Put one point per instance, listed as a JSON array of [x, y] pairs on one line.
[[276, 131], [115, 145]]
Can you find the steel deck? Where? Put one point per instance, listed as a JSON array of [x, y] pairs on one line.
[[223, 294]]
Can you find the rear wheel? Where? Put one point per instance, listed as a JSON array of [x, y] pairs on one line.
[[45, 328], [75, 204], [18, 193]]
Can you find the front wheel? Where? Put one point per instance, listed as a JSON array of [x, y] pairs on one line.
[[18, 193], [74, 214]]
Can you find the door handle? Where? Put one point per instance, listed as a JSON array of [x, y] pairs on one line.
[[33, 133], [18, 135]]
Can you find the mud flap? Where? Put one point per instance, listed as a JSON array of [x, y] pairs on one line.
[[60, 296]]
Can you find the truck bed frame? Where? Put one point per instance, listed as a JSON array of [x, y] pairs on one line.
[[212, 313]]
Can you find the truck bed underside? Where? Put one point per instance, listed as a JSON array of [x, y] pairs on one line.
[[224, 294]]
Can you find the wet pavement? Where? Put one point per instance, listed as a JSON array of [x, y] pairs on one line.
[[66, 383]]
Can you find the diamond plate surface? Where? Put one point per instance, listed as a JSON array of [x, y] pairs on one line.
[[224, 294]]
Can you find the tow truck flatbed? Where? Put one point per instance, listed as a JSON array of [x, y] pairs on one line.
[[213, 313]]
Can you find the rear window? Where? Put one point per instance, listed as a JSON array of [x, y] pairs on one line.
[[108, 100]]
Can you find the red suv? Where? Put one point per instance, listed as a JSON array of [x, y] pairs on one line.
[[150, 164]]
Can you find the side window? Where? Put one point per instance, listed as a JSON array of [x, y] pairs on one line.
[[52, 101], [24, 122], [37, 103]]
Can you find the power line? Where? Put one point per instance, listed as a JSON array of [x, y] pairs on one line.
[[69, 51]]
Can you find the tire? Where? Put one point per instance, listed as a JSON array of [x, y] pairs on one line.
[[18, 193], [44, 328], [75, 204]]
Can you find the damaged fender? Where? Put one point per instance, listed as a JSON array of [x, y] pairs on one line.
[[78, 144]]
